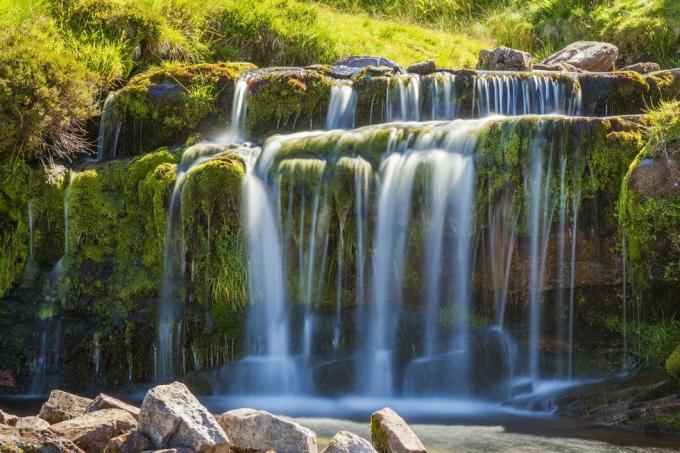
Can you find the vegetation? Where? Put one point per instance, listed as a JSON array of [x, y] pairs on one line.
[[673, 364]]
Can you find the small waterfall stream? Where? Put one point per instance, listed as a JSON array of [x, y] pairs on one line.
[[109, 130]]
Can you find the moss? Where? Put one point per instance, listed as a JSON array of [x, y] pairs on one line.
[[378, 436], [673, 365], [371, 92]]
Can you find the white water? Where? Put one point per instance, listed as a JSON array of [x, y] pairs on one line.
[[403, 98], [342, 106], [109, 130]]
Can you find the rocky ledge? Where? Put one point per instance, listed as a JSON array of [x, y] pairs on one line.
[[171, 419]]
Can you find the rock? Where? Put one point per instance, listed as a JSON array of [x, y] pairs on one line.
[[361, 61], [249, 429], [32, 423], [558, 67], [391, 434], [642, 68], [346, 442], [103, 401], [422, 68], [93, 431], [172, 417], [13, 439], [8, 419], [62, 406], [171, 450], [131, 442], [504, 59], [657, 177], [589, 55]]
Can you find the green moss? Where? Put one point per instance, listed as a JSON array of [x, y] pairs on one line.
[[673, 365], [371, 89], [378, 436]]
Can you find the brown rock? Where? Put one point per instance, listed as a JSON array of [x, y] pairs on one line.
[[557, 67], [422, 68], [62, 406], [504, 59], [13, 439], [8, 419], [642, 68], [657, 177], [33, 423], [93, 431], [103, 401], [588, 55], [391, 434], [132, 442]]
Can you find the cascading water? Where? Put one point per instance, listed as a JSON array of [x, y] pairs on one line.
[[342, 106], [109, 130], [403, 98]]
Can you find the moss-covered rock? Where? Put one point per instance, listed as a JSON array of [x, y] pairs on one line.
[[673, 365]]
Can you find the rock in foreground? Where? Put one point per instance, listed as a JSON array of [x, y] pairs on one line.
[[62, 406], [391, 434], [103, 401], [642, 68], [32, 423], [173, 418], [249, 429], [8, 419], [346, 442], [93, 431], [588, 55], [132, 442], [13, 439]]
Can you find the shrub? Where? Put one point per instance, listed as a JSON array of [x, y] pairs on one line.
[[673, 365]]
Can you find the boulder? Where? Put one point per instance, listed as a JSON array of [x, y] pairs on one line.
[[171, 450], [422, 68], [173, 418], [391, 434], [103, 401], [346, 442], [557, 67], [504, 59], [249, 429], [93, 431], [13, 439], [361, 61], [8, 419], [62, 406], [642, 68], [131, 442], [588, 55], [657, 177], [32, 423]]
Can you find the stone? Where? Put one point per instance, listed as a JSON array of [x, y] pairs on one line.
[[504, 59], [8, 419], [171, 450], [62, 406], [657, 177], [13, 439], [642, 68], [422, 68], [33, 423], [93, 431], [557, 67], [130, 442], [103, 401], [250, 429], [588, 55], [173, 418], [361, 61], [391, 434], [346, 442]]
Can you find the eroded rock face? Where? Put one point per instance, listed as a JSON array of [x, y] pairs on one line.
[[588, 55], [93, 431], [642, 68], [131, 442], [33, 423], [391, 434], [360, 61], [504, 59], [249, 429], [173, 418], [103, 401], [346, 442], [422, 68], [13, 439], [8, 419], [657, 177], [62, 406]]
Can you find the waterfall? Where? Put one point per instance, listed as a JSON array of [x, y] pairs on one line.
[[503, 217], [403, 98], [239, 108], [442, 102], [342, 106], [109, 129]]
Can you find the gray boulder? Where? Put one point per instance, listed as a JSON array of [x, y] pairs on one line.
[[32, 423], [131, 442], [504, 59], [346, 442], [103, 401], [391, 434], [587, 55], [62, 406], [93, 431], [172, 417], [361, 61], [422, 68], [8, 419], [642, 68], [13, 439], [249, 429]]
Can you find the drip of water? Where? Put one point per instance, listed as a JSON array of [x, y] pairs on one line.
[[239, 108], [342, 106], [96, 353], [443, 105], [109, 129], [503, 219], [403, 98]]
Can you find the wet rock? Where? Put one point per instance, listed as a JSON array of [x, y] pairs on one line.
[[8, 419], [249, 429], [557, 67], [13, 439], [32, 423], [93, 431], [335, 377], [391, 434], [588, 55], [103, 401], [422, 68], [131, 442], [657, 177], [504, 59], [346, 442], [173, 418], [642, 68], [360, 61], [62, 406]]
